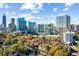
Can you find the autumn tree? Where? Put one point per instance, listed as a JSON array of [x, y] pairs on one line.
[[78, 47], [61, 52], [54, 49]]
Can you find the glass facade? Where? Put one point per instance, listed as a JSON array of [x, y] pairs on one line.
[[63, 21], [4, 20], [22, 24], [32, 25]]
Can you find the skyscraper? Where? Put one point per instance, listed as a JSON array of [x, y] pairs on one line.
[[40, 28], [49, 29], [62, 23], [32, 26], [22, 24], [12, 20], [4, 20], [12, 26]]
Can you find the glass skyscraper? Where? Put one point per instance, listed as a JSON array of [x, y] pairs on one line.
[[4, 20], [32, 25], [32, 28], [62, 22], [22, 24]]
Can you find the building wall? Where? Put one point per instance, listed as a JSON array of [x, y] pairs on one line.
[[62, 23], [22, 24]]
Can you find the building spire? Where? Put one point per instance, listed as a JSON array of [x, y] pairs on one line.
[[4, 20]]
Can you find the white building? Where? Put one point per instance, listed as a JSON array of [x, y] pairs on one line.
[[68, 37], [3, 28]]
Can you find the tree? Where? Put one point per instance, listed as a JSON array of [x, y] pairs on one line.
[[54, 49], [78, 47], [60, 52]]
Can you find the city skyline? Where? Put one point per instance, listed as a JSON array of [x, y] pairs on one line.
[[38, 12], [39, 29]]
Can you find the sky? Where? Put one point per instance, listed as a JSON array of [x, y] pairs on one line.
[[39, 12]]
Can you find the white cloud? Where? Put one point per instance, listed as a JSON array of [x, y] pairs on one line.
[[75, 20], [13, 17], [66, 8], [35, 11], [46, 16], [2, 5], [26, 6], [29, 17], [6, 6], [7, 12], [55, 9], [34, 7], [13, 13], [52, 15], [68, 4]]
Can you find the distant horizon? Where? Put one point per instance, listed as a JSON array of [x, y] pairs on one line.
[[39, 12]]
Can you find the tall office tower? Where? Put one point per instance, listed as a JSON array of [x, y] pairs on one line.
[[32, 26], [40, 28], [22, 24], [12, 26], [49, 29], [62, 23], [4, 20]]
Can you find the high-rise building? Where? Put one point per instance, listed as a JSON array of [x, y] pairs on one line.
[[32, 26], [62, 23], [22, 24], [4, 20], [49, 29], [12, 26], [12, 20], [77, 28], [72, 27], [40, 28], [68, 37]]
